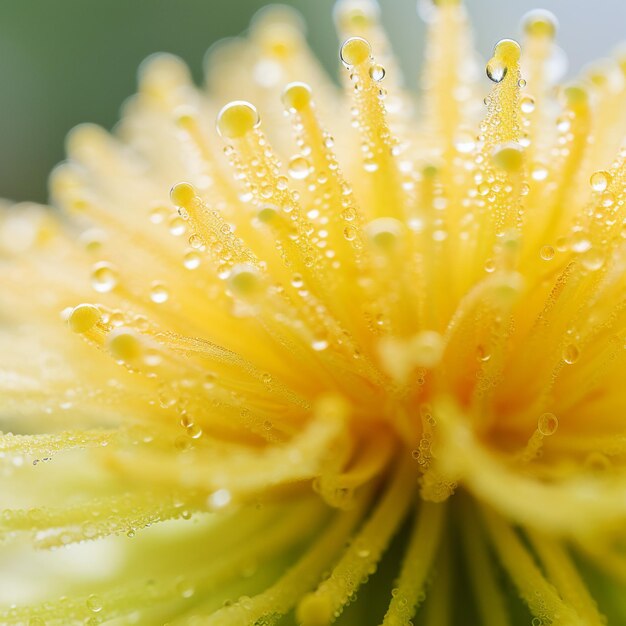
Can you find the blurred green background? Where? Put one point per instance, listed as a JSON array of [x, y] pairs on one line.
[[63, 62]]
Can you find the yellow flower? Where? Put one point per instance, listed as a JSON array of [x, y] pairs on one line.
[[367, 348]]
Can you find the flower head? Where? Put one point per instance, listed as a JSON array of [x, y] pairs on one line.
[[359, 344]]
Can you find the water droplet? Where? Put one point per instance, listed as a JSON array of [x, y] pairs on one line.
[[177, 225], [94, 603], [159, 293], [465, 142], [185, 588], [592, 259], [600, 180], [299, 168], [527, 104], [377, 72], [496, 70], [547, 253], [103, 277], [580, 243], [350, 233], [194, 430], [319, 345], [482, 354], [196, 241], [539, 172], [219, 499], [158, 214], [191, 260], [547, 424], [521, 83], [571, 354]]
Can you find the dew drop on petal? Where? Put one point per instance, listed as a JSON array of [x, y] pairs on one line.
[[547, 424], [159, 293], [94, 603], [600, 180], [103, 277], [571, 354], [299, 168]]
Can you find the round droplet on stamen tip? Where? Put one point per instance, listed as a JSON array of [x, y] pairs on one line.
[[237, 119], [84, 317], [244, 280], [547, 424], [124, 344], [355, 14], [508, 156], [385, 232], [427, 9], [103, 277], [600, 180], [355, 51], [508, 51], [576, 97], [296, 96], [540, 23], [183, 194]]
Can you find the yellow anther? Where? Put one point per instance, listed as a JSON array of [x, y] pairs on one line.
[[315, 610], [540, 23], [124, 345], [237, 119], [84, 317], [296, 96], [267, 213], [351, 15], [385, 232], [576, 97], [355, 51], [182, 194], [508, 156], [426, 348], [508, 51], [244, 280]]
